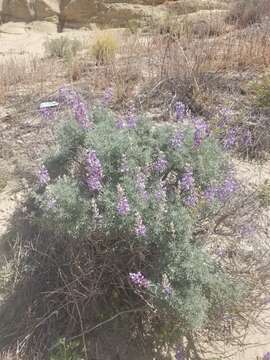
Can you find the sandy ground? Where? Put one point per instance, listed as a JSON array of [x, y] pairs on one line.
[[21, 39]]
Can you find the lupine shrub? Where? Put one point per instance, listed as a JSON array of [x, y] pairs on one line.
[[117, 233]]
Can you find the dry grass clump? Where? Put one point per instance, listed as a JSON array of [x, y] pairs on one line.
[[247, 12], [104, 48], [24, 75]]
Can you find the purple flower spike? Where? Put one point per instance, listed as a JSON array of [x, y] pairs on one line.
[[168, 290], [210, 193], [247, 138], [181, 111], [191, 199], [71, 98], [122, 205], [225, 116], [180, 354], [266, 356], [47, 113], [43, 176], [201, 131], [140, 185], [120, 123], [139, 280], [230, 139], [107, 97], [132, 118], [140, 229], [228, 187], [81, 113], [160, 165], [177, 140], [94, 171], [187, 181]]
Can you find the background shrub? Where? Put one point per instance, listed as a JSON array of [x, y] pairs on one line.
[[247, 12], [63, 47]]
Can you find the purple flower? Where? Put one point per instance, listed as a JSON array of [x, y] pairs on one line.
[[181, 111], [167, 290], [210, 193], [67, 95], [122, 205], [177, 140], [81, 112], [201, 131], [47, 113], [132, 118], [225, 116], [71, 98], [180, 353], [228, 187], [247, 230], [247, 138], [140, 229], [187, 181], [140, 185], [94, 171], [139, 280], [51, 203], [191, 199], [120, 123], [230, 139], [107, 97], [266, 356], [160, 165], [43, 176]]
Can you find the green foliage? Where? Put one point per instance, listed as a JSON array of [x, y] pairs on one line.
[[3, 182], [264, 194], [261, 91], [104, 48], [62, 47], [65, 351]]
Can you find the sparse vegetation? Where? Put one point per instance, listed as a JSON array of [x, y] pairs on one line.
[[247, 12], [261, 91], [264, 194], [62, 47]]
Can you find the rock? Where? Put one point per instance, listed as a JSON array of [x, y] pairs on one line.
[[180, 7], [80, 11], [119, 14], [47, 27], [47, 9], [18, 10], [1, 10], [17, 28]]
